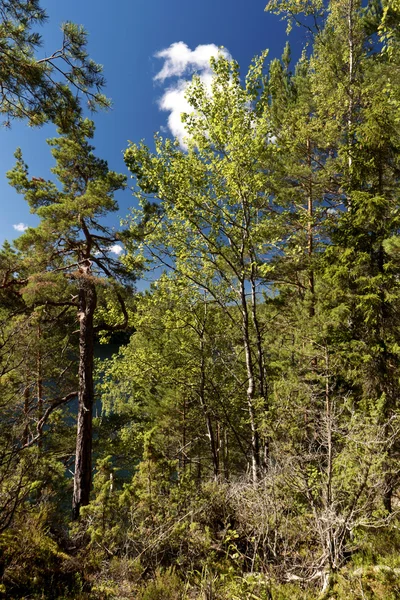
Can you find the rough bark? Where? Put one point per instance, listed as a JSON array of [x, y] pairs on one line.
[[83, 457]]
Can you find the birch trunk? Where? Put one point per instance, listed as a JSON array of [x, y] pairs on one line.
[[255, 438]]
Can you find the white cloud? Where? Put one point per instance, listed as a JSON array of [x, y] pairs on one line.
[[116, 249], [181, 62], [20, 227], [174, 102]]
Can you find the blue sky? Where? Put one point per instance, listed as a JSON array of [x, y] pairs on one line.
[[147, 47]]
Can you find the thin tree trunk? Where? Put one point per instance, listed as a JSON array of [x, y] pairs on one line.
[[350, 114], [310, 235], [331, 542], [183, 459], [25, 435], [262, 378], [226, 454], [204, 405], [83, 458], [39, 390], [255, 438]]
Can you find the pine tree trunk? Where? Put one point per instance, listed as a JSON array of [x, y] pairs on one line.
[[83, 457]]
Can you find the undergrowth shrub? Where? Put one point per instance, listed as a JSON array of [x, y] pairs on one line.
[[34, 563]]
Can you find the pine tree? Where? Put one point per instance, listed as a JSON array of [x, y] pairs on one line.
[[68, 260], [43, 89]]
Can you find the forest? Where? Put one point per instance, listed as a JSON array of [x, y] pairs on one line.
[[241, 438]]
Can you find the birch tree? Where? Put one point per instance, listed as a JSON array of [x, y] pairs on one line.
[[212, 217]]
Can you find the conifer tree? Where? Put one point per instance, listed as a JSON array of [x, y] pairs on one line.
[[43, 89], [68, 259]]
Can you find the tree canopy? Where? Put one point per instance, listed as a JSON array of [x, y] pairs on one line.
[[241, 439], [42, 90]]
